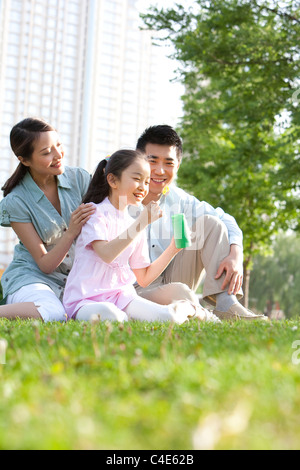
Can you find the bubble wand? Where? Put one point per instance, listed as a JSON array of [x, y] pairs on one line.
[[164, 192]]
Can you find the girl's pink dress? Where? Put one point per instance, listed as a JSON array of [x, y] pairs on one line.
[[93, 280]]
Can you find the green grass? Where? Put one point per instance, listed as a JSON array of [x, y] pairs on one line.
[[150, 386]]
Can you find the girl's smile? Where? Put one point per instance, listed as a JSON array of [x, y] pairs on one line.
[[133, 186]]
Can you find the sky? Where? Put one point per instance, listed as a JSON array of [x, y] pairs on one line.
[[169, 91]]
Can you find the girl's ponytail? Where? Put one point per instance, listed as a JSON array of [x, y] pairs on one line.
[[98, 189], [118, 162]]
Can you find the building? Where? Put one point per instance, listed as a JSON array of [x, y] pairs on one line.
[[82, 65]]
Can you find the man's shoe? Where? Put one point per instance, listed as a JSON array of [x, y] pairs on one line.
[[238, 312]]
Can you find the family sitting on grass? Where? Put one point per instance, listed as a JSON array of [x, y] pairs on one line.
[[104, 245]]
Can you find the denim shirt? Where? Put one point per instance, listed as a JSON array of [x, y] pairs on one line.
[[178, 201], [28, 204]]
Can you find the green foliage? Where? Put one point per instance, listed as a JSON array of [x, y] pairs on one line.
[[240, 66], [149, 386], [276, 278]]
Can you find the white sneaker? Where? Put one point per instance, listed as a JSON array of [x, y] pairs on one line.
[[206, 315], [211, 317], [183, 311]]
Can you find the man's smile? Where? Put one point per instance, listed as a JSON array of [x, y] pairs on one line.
[[158, 180]]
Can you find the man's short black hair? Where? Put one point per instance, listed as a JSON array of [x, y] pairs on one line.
[[161, 135]]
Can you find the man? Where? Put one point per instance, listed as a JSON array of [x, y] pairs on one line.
[[217, 241]]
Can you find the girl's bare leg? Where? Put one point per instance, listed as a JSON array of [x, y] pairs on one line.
[[24, 310]]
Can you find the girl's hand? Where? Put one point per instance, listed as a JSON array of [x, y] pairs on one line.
[[154, 212], [173, 247], [79, 217]]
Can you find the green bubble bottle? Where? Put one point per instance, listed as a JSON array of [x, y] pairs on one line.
[[181, 231]]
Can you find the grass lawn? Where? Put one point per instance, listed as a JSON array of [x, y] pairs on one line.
[[150, 386]]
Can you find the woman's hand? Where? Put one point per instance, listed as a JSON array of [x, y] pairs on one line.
[[48, 261], [79, 217]]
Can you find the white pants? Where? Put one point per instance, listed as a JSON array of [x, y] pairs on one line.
[[138, 309], [48, 305]]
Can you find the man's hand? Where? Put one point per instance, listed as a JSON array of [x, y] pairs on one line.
[[233, 266]]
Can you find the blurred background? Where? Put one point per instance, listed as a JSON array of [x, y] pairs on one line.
[[226, 75], [86, 67]]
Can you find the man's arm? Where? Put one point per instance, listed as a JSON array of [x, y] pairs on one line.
[[235, 235], [233, 263]]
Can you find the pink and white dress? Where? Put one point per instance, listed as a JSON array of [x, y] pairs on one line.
[[93, 280]]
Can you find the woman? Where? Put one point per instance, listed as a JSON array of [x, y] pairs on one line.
[[42, 204]]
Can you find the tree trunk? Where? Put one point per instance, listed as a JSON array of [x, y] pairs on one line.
[[269, 305], [246, 284]]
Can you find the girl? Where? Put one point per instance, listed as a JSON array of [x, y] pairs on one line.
[[42, 204], [112, 251]]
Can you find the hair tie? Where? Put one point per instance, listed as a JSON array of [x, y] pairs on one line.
[[105, 161]]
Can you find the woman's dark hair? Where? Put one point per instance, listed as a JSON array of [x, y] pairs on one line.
[[161, 135], [22, 138], [119, 161]]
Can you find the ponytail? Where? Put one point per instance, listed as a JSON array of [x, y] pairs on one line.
[[22, 138], [98, 189], [15, 179]]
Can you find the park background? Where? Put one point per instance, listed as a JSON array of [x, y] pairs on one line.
[[236, 105], [224, 74], [239, 63]]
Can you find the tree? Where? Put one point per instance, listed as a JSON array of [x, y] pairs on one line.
[[276, 278], [239, 62]]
